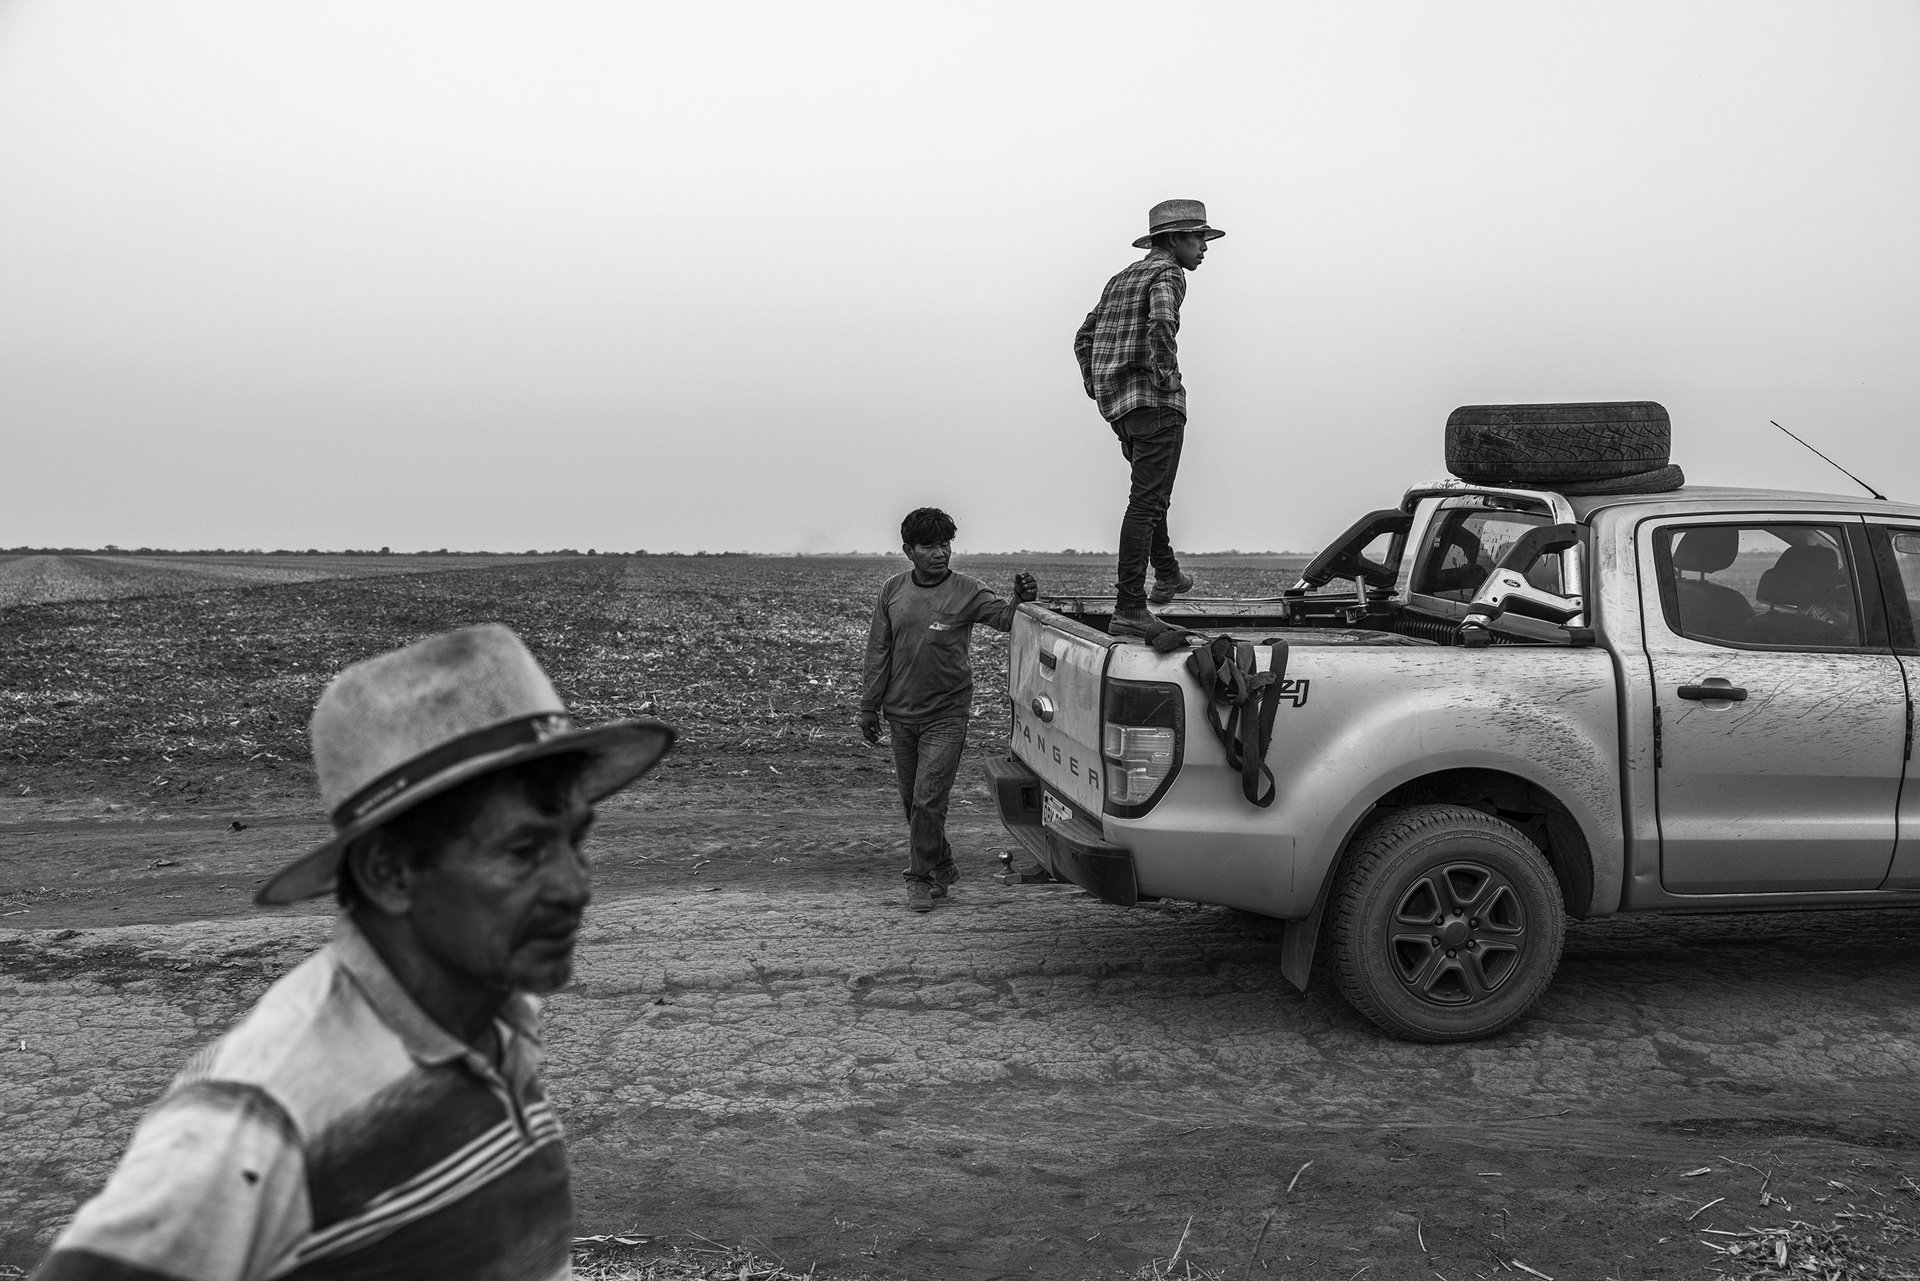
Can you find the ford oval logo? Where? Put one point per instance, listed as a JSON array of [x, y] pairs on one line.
[[1043, 707]]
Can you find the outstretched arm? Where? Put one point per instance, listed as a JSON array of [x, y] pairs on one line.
[[992, 611]]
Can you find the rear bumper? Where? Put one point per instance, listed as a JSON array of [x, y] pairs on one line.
[[1073, 851]]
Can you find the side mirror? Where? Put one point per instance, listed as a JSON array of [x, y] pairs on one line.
[[1508, 594]]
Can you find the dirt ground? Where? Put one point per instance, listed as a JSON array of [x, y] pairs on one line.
[[764, 1048]]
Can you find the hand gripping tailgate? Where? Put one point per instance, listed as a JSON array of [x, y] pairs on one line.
[[1053, 678]]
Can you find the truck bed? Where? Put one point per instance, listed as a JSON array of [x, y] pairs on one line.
[[1301, 620]]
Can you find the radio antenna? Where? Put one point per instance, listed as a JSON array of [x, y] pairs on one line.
[[1836, 466]]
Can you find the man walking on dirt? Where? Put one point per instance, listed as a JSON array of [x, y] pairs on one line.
[[1129, 365], [917, 672], [379, 1112]]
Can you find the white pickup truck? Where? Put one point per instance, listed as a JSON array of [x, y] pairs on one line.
[[1501, 707]]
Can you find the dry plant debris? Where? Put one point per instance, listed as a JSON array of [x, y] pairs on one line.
[[621, 1258], [1851, 1248], [1176, 1270], [1877, 1243]]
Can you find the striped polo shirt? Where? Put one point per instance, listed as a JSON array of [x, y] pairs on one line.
[[338, 1131]]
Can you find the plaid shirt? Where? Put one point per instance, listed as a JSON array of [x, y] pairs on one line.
[[1126, 347]]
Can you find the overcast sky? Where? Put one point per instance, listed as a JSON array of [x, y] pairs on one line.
[[765, 275]]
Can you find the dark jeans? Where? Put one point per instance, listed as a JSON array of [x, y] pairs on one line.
[[1150, 439], [925, 758]]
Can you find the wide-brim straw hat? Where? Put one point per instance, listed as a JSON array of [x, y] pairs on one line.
[[1177, 215], [390, 732]]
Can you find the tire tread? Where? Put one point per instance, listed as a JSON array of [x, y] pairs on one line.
[[1374, 846], [1557, 443]]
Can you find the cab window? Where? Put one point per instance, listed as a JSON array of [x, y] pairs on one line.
[[1468, 542], [1760, 586]]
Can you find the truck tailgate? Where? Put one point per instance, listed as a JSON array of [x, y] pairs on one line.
[[1054, 673]]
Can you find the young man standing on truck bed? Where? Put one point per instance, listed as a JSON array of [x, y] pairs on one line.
[[918, 674], [1128, 363]]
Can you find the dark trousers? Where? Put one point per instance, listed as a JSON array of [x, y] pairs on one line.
[[1150, 439], [925, 758]]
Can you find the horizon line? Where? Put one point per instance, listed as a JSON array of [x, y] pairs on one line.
[[113, 549]]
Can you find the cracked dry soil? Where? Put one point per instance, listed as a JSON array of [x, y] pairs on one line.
[[763, 1047]]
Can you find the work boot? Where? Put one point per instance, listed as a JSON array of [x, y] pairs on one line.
[[1141, 623], [1165, 589], [942, 878], [919, 896]]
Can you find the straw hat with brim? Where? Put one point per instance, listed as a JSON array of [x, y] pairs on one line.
[[401, 727], [1177, 215]]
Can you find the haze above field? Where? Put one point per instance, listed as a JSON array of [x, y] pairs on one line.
[[764, 276]]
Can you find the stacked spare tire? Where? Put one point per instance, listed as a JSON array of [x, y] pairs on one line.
[[1600, 447]]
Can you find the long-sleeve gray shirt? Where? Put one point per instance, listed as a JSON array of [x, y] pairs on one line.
[[917, 668]]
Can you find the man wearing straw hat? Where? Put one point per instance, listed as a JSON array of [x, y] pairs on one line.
[[1129, 365], [379, 1111]]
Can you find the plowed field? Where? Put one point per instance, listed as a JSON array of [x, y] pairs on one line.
[[38, 579]]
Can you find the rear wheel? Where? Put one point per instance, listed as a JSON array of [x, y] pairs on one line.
[[1447, 924]]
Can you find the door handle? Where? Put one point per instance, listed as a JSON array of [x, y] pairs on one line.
[[1713, 688]]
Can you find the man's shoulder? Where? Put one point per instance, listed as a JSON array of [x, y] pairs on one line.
[[1151, 265], [311, 1042], [1130, 286], [1132, 272]]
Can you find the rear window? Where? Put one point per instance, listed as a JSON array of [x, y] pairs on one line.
[[1468, 542]]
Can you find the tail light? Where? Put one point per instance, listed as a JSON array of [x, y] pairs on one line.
[[1142, 738]]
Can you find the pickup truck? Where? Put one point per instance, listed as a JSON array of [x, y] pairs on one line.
[[1501, 707]]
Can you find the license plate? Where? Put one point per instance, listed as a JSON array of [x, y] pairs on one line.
[[1054, 813]]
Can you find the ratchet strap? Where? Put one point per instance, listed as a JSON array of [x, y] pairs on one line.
[[1229, 676]]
